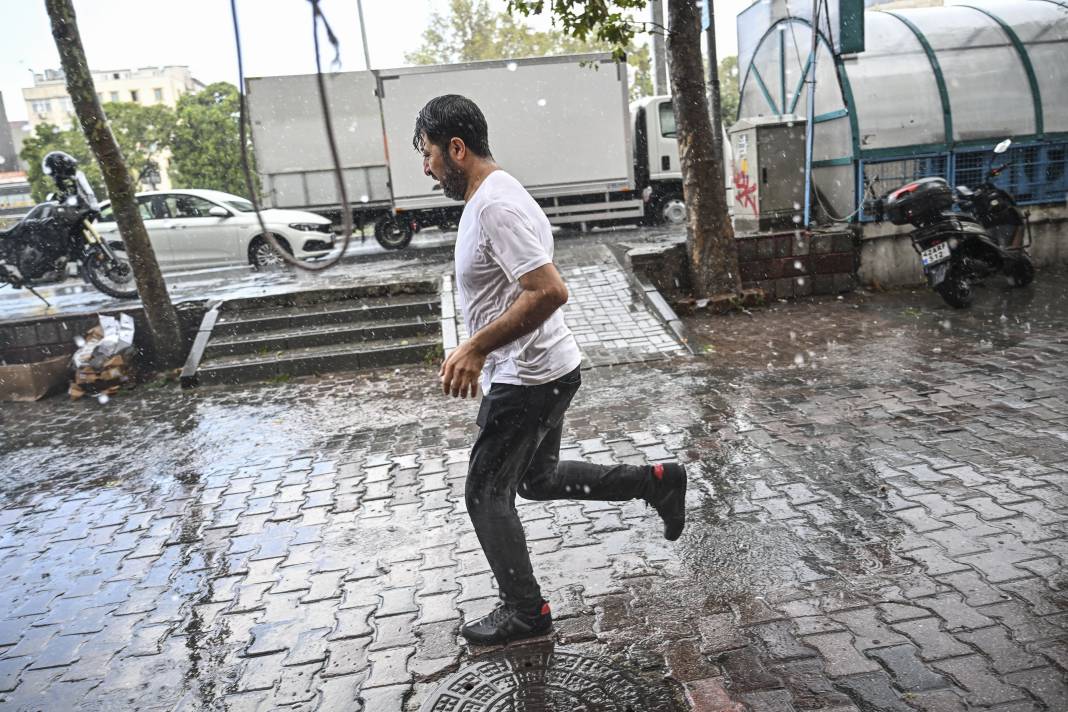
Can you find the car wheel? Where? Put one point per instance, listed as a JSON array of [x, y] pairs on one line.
[[262, 255]]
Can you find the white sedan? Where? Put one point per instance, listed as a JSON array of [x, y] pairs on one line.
[[197, 229]]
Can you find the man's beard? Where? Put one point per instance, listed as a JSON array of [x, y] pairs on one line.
[[453, 181]]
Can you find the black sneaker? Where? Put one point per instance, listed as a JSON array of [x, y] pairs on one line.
[[505, 623], [669, 497]]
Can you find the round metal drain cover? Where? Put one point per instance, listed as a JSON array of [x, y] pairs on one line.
[[540, 680]]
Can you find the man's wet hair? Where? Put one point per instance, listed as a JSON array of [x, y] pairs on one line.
[[452, 116]]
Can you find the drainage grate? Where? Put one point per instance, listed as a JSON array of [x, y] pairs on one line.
[[543, 680]]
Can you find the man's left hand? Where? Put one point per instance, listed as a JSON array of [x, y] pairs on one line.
[[461, 371]]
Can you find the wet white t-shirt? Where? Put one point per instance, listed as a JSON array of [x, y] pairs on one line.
[[503, 235]]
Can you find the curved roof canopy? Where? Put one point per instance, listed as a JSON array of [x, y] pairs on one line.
[[931, 78]]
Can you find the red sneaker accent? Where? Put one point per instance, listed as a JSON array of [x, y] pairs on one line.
[[658, 471], [545, 609]]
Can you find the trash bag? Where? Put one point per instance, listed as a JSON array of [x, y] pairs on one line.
[[102, 363]]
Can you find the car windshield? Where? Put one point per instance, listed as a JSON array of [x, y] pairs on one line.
[[241, 205]]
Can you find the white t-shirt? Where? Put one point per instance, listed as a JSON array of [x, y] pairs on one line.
[[503, 235]]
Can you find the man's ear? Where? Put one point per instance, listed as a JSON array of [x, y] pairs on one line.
[[457, 149]]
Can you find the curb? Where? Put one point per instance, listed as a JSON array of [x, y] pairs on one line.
[[655, 301]]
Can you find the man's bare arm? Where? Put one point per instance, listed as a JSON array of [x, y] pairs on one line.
[[543, 293]]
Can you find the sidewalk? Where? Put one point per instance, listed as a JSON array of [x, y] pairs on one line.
[[878, 522]]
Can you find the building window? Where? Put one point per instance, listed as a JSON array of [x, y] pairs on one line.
[[133, 95], [68, 105], [159, 94], [116, 76], [42, 107], [114, 96]]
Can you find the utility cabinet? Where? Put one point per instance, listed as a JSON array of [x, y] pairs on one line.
[[769, 172]]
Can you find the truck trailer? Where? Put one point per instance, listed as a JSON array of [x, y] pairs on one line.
[[561, 125]]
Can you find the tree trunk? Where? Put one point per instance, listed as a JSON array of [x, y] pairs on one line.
[[709, 233], [162, 318]]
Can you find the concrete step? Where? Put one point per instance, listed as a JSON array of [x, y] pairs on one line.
[[288, 339], [411, 307], [238, 368]]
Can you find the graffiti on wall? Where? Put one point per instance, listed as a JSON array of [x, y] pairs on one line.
[[745, 190]]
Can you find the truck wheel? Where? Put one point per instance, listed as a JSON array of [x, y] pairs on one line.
[[393, 233], [672, 210]]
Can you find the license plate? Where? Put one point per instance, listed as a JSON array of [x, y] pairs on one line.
[[934, 255]]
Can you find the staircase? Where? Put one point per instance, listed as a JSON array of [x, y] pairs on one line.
[[303, 333]]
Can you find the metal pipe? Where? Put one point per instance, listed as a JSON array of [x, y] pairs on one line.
[[713, 78], [363, 36], [809, 124], [660, 82]]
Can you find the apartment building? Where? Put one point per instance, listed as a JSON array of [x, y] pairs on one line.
[[47, 100]]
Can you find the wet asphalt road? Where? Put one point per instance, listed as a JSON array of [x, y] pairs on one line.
[[430, 253], [878, 519]]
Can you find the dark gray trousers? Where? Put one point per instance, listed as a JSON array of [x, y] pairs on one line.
[[518, 450]]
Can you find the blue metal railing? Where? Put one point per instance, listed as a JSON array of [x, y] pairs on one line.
[[1034, 173]]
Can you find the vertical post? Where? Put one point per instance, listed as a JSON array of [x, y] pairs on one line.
[[809, 124], [363, 36], [660, 82], [708, 19]]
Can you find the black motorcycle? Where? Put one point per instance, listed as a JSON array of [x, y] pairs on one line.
[[959, 248], [59, 231]]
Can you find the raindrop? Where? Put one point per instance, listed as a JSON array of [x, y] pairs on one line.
[[1004, 318], [79, 341], [541, 102], [2, 160], [567, 488], [797, 219], [364, 198], [800, 281], [799, 360], [797, 206], [512, 66], [798, 265], [72, 200], [586, 489], [793, 336], [102, 398], [947, 325], [937, 350], [47, 171], [352, 127]]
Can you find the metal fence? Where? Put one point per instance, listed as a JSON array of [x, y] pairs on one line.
[[1035, 172]]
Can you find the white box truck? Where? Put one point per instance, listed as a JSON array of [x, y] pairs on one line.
[[560, 125]]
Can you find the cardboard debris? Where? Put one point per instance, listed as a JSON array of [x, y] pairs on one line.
[[33, 381], [101, 364]]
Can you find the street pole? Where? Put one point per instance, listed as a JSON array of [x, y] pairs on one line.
[[809, 127], [660, 82], [709, 22], [363, 36]]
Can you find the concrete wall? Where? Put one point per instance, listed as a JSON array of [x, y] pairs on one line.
[[887, 258]]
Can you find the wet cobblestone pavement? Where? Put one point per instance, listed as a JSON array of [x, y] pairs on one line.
[[878, 522]]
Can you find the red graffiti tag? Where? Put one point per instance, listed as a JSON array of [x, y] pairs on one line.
[[744, 191]]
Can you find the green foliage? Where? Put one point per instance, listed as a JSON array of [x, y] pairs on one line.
[[728, 89], [142, 132], [47, 138], [205, 143], [471, 31]]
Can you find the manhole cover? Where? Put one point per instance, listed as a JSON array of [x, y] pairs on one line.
[[543, 680]]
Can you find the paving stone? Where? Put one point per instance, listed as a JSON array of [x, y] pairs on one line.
[[709, 695], [934, 644], [983, 687], [778, 641], [908, 672], [839, 654], [950, 607], [1004, 654], [1047, 684], [873, 691]]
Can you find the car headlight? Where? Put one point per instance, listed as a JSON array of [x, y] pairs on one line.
[[308, 227]]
